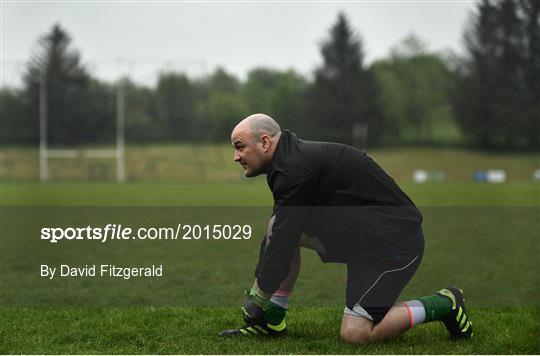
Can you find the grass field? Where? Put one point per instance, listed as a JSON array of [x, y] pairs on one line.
[[183, 330], [482, 237], [214, 163]]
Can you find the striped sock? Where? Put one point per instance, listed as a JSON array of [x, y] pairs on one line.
[[417, 312], [281, 298]]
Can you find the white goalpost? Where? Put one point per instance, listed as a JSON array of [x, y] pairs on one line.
[[45, 152], [138, 71]]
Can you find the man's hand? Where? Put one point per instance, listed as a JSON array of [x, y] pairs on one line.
[[253, 309]]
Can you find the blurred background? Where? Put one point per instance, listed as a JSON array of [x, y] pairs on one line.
[[121, 112], [105, 91]]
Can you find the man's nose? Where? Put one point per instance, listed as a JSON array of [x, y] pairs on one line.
[[236, 157]]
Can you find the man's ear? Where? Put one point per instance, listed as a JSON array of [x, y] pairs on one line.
[[266, 142]]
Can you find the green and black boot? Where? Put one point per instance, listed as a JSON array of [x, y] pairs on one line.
[[457, 323], [273, 324]]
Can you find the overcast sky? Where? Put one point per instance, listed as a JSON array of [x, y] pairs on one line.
[[197, 37]]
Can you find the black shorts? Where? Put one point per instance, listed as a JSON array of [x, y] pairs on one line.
[[375, 280]]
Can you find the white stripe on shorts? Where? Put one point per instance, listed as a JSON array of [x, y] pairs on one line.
[[382, 274]]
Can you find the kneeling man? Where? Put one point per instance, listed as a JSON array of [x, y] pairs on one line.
[[337, 200]]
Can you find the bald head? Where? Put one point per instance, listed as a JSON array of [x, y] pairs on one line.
[[258, 125], [255, 139]]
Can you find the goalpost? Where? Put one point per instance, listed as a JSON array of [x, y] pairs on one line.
[[151, 69], [117, 153]]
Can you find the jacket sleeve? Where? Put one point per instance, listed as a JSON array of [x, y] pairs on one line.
[[293, 197]]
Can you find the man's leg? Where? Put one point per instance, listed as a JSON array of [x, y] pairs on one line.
[[446, 305], [375, 282], [359, 330], [373, 285]]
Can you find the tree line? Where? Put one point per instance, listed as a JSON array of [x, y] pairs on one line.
[[488, 97]]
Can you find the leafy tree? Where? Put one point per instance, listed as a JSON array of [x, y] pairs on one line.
[[344, 92], [175, 98], [257, 90], [219, 105], [100, 120], [415, 87], [287, 100], [225, 109], [12, 122], [141, 114], [224, 82], [279, 94]]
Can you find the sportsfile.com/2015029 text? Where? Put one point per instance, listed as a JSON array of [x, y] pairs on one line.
[[119, 232]]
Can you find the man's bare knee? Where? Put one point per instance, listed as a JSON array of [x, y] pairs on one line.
[[356, 330], [355, 336]]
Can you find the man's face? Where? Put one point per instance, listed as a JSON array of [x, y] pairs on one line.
[[248, 152]]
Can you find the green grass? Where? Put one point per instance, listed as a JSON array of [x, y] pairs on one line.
[[183, 330], [245, 192], [482, 237]]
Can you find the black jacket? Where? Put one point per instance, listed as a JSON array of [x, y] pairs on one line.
[[336, 193]]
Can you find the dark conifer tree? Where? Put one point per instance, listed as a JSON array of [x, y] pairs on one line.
[[496, 98], [73, 115], [344, 93]]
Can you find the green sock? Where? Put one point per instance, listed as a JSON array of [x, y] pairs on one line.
[[437, 306], [274, 314]]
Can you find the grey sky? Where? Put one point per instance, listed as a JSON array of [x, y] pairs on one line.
[[197, 37]]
